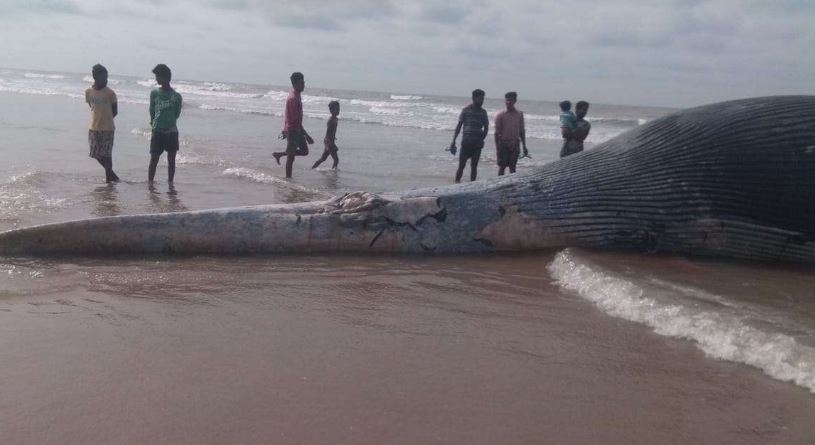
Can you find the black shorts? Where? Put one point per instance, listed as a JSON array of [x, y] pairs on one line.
[[296, 144], [161, 141], [471, 149], [508, 153]]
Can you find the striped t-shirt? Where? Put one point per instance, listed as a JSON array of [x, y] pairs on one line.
[[475, 123]]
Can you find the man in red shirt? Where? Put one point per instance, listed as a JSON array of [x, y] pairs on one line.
[[293, 131], [509, 131]]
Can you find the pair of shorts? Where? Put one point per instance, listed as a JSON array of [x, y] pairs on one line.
[[471, 149], [101, 144], [296, 144], [508, 153], [163, 141]]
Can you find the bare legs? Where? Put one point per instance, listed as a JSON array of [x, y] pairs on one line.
[[502, 167], [151, 169], [302, 150], [325, 156], [107, 164], [462, 162]]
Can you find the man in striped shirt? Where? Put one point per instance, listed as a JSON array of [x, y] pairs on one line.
[[476, 124]]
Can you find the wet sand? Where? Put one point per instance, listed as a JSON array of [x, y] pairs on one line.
[[355, 350]]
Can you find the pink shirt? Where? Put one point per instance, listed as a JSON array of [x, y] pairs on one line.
[[294, 112], [508, 125]]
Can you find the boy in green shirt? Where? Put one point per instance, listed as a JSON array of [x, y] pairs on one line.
[[165, 108]]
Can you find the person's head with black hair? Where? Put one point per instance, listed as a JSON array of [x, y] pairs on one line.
[[581, 108], [100, 76], [298, 82], [565, 105], [509, 99], [478, 97], [334, 108], [163, 75]]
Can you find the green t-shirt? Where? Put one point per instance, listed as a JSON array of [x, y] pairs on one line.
[[165, 107]]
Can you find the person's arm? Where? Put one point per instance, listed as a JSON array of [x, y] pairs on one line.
[[114, 107], [455, 134], [458, 129], [523, 135], [178, 109], [566, 132], [330, 131], [499, 128], [152, 107], [486, 126], [88, 98]]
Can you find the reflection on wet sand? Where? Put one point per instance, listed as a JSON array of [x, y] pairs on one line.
[[168, 204], [106, 200]]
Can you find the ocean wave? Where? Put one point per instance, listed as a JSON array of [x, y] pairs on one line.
[[110, 81], [210, 92], [395, 97], [263, 178], [192, 159], [246, 110], [722, 333], [43, 76], [39, 91]]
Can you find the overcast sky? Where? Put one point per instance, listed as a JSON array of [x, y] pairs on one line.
[[660, 52]]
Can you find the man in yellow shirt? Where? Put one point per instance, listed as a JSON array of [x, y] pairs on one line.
[[104, 108]]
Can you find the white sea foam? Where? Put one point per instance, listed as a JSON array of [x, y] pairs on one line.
[[43, 76], [395, 97], [149, 83], [247, 110], [110, 81], [39, 91], [263, 178], [212, 92], [722, 333]]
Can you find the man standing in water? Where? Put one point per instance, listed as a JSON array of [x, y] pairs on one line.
[[293, 131], [104, 108], [165, 108], [573, 138], [476, 124], [509, 130]]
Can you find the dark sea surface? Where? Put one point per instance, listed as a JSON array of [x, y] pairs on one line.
[[568, 346]]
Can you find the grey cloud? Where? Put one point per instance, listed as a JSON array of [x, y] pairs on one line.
[[39, 7]]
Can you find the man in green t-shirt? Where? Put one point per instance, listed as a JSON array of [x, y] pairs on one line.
[[165, 108]]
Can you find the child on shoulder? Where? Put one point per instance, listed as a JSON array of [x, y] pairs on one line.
[[567, 118]]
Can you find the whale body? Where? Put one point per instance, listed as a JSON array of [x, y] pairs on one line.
[[733, 179]]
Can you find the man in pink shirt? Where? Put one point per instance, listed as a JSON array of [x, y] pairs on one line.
[[509, 130], [293, 131]]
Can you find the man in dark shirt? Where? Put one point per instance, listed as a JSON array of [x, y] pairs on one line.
[[476, 124], [573, 138]]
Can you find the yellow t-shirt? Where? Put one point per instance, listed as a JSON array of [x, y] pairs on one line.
[[101, 102]]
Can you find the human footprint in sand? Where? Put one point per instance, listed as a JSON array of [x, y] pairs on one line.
[[330, 136], [293, 131]]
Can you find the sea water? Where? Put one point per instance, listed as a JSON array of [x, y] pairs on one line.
[[568, 346]]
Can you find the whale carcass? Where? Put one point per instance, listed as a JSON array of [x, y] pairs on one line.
[[733, 179]]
